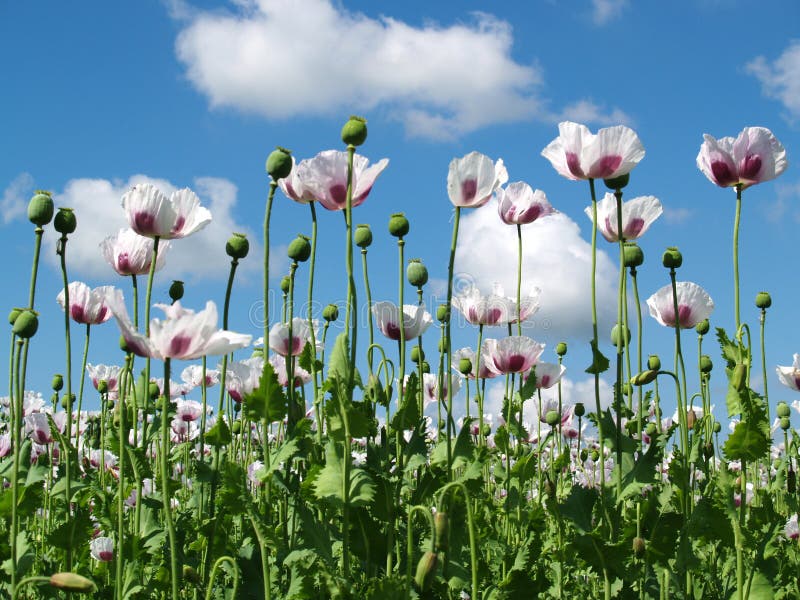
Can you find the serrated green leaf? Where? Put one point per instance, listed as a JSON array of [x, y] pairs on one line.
[[747, 442], [329, 483], [267, 401], [599, 364], [219, 435], [407, 416]]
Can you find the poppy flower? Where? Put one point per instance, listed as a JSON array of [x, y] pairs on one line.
[[637, 216], [86, 305], [514, 354], [694, 305], [519, 204], [473, 179], [754, 156], [416, 320], [129, 253], [790, 376], [325, 178], [152, 214]]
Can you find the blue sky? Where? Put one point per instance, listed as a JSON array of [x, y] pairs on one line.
[[97, 96]]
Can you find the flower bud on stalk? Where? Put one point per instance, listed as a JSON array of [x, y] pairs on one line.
[[785, 423], [58, 382], [330, 313], [279, 163], [739, 377], [237, 246], [426, 570], [783, 410], [65, 222], [615, 335], [702, 327], [26, 324], [651, 429], [72, 582], [672, 258], [399, 225], [654, 362], [426, 367], [717, 427], [354, 132], [705, 364], [465, 366], [40, 208], [176, 290], [416, 273], [416, 354], [638, 547], [763, 300], [691, 418], [580, 409], [362, 236], [12, 316], [644, 378], [442, 312], [236, 427], [299, 249], [285, 283], [561, 348]]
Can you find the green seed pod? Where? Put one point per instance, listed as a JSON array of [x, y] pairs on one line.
[[65, 221], [72, 582], [654, 362], [638, 547], [441, 524], [705, 364], [58, 382], [702, 327], [67, 400], [580, 409], [615, 335], [442, 313], [102, 386], [153, 390], [236, 427], [12, 316], [416, 273], [415, 354], [426, 367], [561, 348], [632, 255], [672, 258], [26, 324], [398, 225], [595, 455], [299, 249], [651, 429], [286, 282], [426, 570], [363, 236], [617, 183], [763, 300], [717, 427], [354, 132], [176, 290], [783, 410], [465, 366], [552, 418], [237, 246], [584, 454], [330, 313], [785, 423], [739, 377], [279, 163], [40, 208]]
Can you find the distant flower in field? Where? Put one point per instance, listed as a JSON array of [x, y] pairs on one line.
[[416, 320], [792, 530], [637, 216], [107, 373], [32, 402], [243, 377], [279, 337], [37, 428], [102, 549], [193, 376], [473, 179], [529, 304], [754, 156], [5, 444], [551, 405], [129, 253], [188, 410], [578, 154], [519, 204], [493, 309], [325, 177], [294, 187], [301, 376], [790, 376], [254, 467], [175, 389], [150, 213], [485, 371], [548, 374], [430, 387], [694, 305], [184, 334], [514, 354], [86, 305]]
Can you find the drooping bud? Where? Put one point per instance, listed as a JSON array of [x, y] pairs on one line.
[[442, 312], [12, 316], [286, 282], [72, 582], [617, 183], [561, 348], [416, 353], [580, 409], [615, 335], [363, 236], [354, 132], [237, 246], [739, 377], [279, 163], [638, 547], [176, 290], [654, 362], [26, 324], [299, 249], [40, 208], [465, 366], [702, 327], [417, 273], [330, 313], [632, 255], [644, 378], [672, 258], [65, 222], [691, 418], [705, 364], [426, 570], [441, 524], [783, 410], [763, 300], [398, 225], [58, 382]]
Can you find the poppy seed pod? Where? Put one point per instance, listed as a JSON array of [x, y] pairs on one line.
[[354, 132], [58, 382], [763, 300], [426, 570], [552, 417], [237, 246], [72, 582], [279, 163], [362, 236], [615, 335], [286, 281], [65, 221], [26, 324], [717, 427], [12, 316], [651, 429], [330, 313], [40, 208], [580, 409], [67, 400], [654, 362], [236, 427], [176, 290], [398, 225], [299, 249], [426, 367], [153, 390], [672, 258], [705, 364], [561, 348], [416, 273], [442, 312], [416, 351], [632, 255], [594, 455], [102, 386], [785, 423], [702, 327], [617, 183], [783, 410], [123, 344], [465, 366]]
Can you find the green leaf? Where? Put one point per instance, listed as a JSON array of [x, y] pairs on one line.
[[407, 416], [267, 401], [760, 587], [462, 449], [599, 362], [339, 362], [278, 458], [578, 507], [330, 481], [219, 435], [747, 442]]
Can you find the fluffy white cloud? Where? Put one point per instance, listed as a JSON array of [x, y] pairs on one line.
[[780, 79], [97, 205], [282, 58], [677, 215], [587, 111], [604, 11], [14, 203], [555, 258]]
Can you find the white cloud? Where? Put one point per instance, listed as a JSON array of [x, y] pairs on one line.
[[787, 195], [781, 78], [604, 11], [555, 258], [14, 203], [677, 216], [587, 111], [97, 205], [283, 58]]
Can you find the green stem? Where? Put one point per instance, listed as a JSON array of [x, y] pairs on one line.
[[449, 342], [273, 185], [26, 581], [62, 253], [402, 326], [595, 337], [736, 220], [519, 279], [166, 494], [311, 306], [369, 304], [220, 560], [473, 538], [120, 554], [16, 442]]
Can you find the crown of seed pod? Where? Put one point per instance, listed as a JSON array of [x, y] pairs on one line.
[[763, 300], [299, 249], [354, 132], [40, 208], [176, 290], [702, 327], [65, 222], [330, 313], [672, 258], [417, 273], [279, 163], [363, 236], [237, 246], [398, 225]]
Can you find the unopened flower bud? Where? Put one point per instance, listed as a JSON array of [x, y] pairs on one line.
[[190, 574], [580, 409], [763, 300], [644, 378], [286, 282], [594, 455], [12, 316], [561, 348], [362, 236], [638, 547], [617, 183], [651, 429], [785, 423], [426, 367], [705, 364], [236, 427], [552, 417], [739, 377], [354, 132], [426, 570], [632, 255], [67, 400], [40, 208], [717, 427], [672, 258], [783, 410], [441, 525], [237, 246], [279, 163], [58, 382], [442, 312], [102, 386], [615, 335], [65, 221], [26, 324], [465, 366], [153, 391], [330, 313], [654, 362], [176, 290], [416, 273], [398, 225], [702, 327], [299, 249], [416, 352], [584, 454], [72, 582], [123, 344], [691, 418]]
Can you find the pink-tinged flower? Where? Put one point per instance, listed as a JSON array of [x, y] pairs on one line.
[[485, 371], [528, 304], [188, 410], [243, 377], [37, 428], [152, 214], [184, 334], [519, 204], [102, 549], [294, 186], [792, 530], [416, 320], [548, 374], [86, 305], [637, 216], [694, 305], [493, 309], [754, 156], [473, 179], [430, 387], [301, 376], [5, 444], [176, 390], [32, 402], [107, 373], [551, 405], [578, 154], [129, 253], [325, 177], [790, 376], [279, 337], [514, 354], [193, 376]]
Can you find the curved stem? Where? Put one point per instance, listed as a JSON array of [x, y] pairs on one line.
[[473, 539], [220, 560]]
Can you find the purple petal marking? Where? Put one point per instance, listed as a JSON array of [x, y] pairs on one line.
[[469, 188], [751, 166], [179, 223], [392, 331], [574, 165], [143, 223], [78, 315], [606, 166], [101, 314], [722, 173], [493, 316], [338, 193], [515, 363], [123, 263], [530, 214], [684, 313], [634, 228], [179, 345]]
